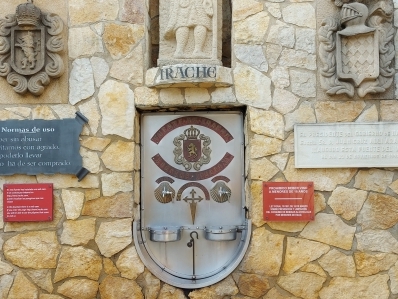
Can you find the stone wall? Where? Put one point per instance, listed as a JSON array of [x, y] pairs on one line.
[[87, 251]]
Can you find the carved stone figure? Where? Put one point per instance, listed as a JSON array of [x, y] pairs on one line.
[[356, 50], [189, 31], [188, 15], [29, 45], [29, 48]]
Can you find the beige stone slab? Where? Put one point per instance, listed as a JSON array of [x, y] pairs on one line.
[[78, 232], [393, 278], [302, 284], [35, 250], [169, 292], [369, 264], [95, 143], [300, 252], [327, 112], [112, 237], [256, 260], [79, 288], [267, 123], [109, 267], [252, 87], [183, 74], [378, 212], [337, 264], [117, 287], [121, 39], [256, 203], [373, 180], [22, 288], [129, 264], [119, 156], [347, 202], [78, 261], [369, 115], [324, 179], [116, 101], [253, 29], [331, 230], [5, 285], [303, 115], [357, 288], [73, 203], [243, 9], [5, 268], [88, 11], [275, 294], [117, 206], [130, 68], [222, 289], [253, 285], [150, 285], [42, 278], [313, 268], [376, 240]]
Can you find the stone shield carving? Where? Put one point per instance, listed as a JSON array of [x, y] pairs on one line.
[[356, 50], [30, 43]]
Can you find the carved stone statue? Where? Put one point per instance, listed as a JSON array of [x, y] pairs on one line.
[[186, 15], [357, 50], [29, 45], [188, 31]]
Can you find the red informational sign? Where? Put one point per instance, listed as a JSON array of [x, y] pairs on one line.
[[27, 202], [288, 201]]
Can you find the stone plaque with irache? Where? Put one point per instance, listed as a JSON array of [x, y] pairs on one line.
[[342, 145]]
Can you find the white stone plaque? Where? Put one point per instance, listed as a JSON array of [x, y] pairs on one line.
[[346, 145], [179, 75]]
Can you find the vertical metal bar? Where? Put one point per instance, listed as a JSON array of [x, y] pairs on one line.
[[190, 244]]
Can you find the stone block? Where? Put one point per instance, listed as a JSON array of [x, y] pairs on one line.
[[35, 250], [78, 261]]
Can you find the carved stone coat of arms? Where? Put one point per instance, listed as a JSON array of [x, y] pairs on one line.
[[30, 41], [357, 50]]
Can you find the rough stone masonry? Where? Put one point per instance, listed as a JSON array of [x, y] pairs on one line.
[[87, 251]]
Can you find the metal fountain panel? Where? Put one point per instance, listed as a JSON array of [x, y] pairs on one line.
[[193, 229]]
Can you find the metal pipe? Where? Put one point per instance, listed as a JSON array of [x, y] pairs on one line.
[[190, 244]]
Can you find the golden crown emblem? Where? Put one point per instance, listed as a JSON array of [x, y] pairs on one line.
[[28, 14], [192, 133]]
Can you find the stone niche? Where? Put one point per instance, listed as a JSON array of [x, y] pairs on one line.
[[190, 32], [355, 49]]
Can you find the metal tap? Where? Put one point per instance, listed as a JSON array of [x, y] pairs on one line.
[[166, 192]]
